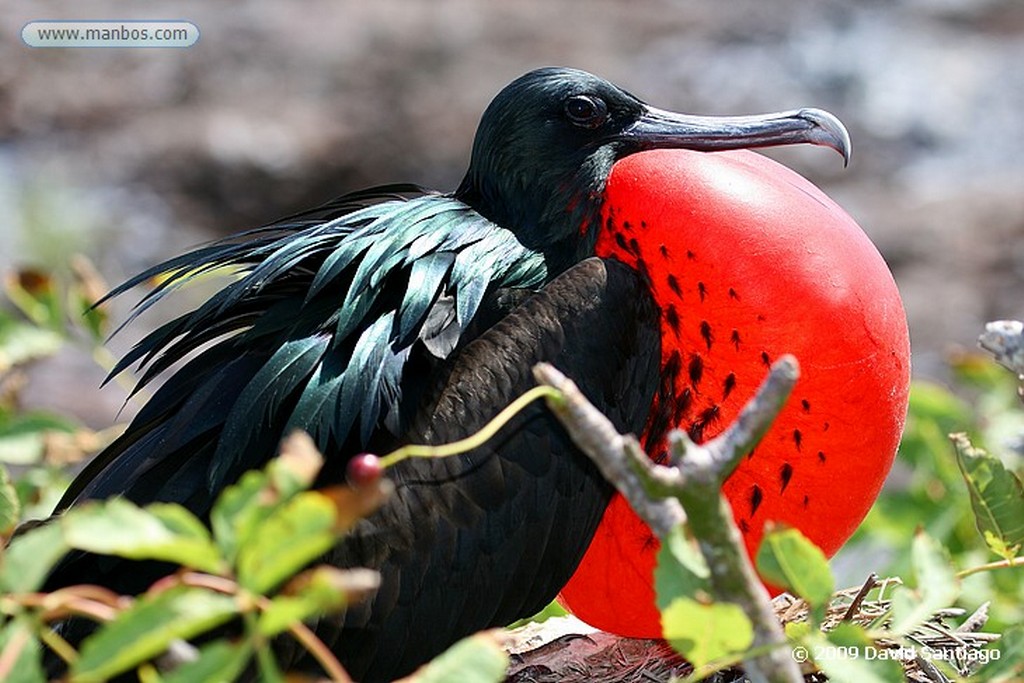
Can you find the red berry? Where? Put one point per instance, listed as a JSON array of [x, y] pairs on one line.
[[363, 470]]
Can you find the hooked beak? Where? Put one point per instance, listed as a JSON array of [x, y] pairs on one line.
[[657, 128]]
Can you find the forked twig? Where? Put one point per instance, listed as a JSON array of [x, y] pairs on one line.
[[689, 490]]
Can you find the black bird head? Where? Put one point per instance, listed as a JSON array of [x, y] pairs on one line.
[[547, 142]]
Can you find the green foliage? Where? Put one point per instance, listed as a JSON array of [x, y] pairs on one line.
[[22, 342], [218, 661], [997, 498], [162, 531], [318, 590], [20, 645], [953, 493], [247, 573], [251, 571], [681, 570], [1009, 665], [931, 493], [971, 501], [477, 659], [148, 627], [23, 435], [552, 610], [39, 488], [960, 505], [56, 309], [788, 560], [874, 646], [937, 586], [10, 506], [843, 654], [223, 580], [41, 315], [296, 534], [706, 632], [30, 557]]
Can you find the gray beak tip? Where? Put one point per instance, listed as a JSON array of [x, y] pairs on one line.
[[829, 132]]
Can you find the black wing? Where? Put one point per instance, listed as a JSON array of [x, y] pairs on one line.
[[316, 334], [486, 538]]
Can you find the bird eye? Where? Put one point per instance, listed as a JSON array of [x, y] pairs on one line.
[[586, 111]]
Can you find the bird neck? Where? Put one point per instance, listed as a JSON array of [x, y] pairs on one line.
[[559, 218]]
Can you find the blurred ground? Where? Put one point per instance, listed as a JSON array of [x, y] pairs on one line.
[[132, 155]]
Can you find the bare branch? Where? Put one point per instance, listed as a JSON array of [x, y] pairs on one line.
[[690, 490], [729, 448], [615, 455], [858, 599], [1004, 339]]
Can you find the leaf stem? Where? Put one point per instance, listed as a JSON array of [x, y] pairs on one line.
[[269, 671], [474, 440], [59, 645], [320, 652], [12, 651], [220, 584], [302, 633], [991, 566]]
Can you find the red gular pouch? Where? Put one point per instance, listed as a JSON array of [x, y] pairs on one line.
[[747, 261]]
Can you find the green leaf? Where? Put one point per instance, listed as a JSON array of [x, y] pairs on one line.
[[36, 293], [146, 629], [37, 421], [937, 586], [285, 610], [218, 661], [977, 369], [295, 469], [551, 611], [10, 506], [85, 289], [318, 591], [934, 403], [21, 343], [849, 656], [23, 436], [20, 652], [163, 531], [29, 558], [787, 559], [797, 630], [703, 633], [293, 536], [238, 511], [239, 515], [997, 544], [933, 413], [22, 448], [39, 490], [476, 659], [1004, 660], [681, 571], [997, 497]]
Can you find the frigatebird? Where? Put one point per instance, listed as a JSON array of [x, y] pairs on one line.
[[399, 315]]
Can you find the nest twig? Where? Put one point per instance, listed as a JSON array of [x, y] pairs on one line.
[[567, 650], [955, 645]]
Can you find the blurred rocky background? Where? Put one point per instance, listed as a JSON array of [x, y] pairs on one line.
[[130, 156]]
